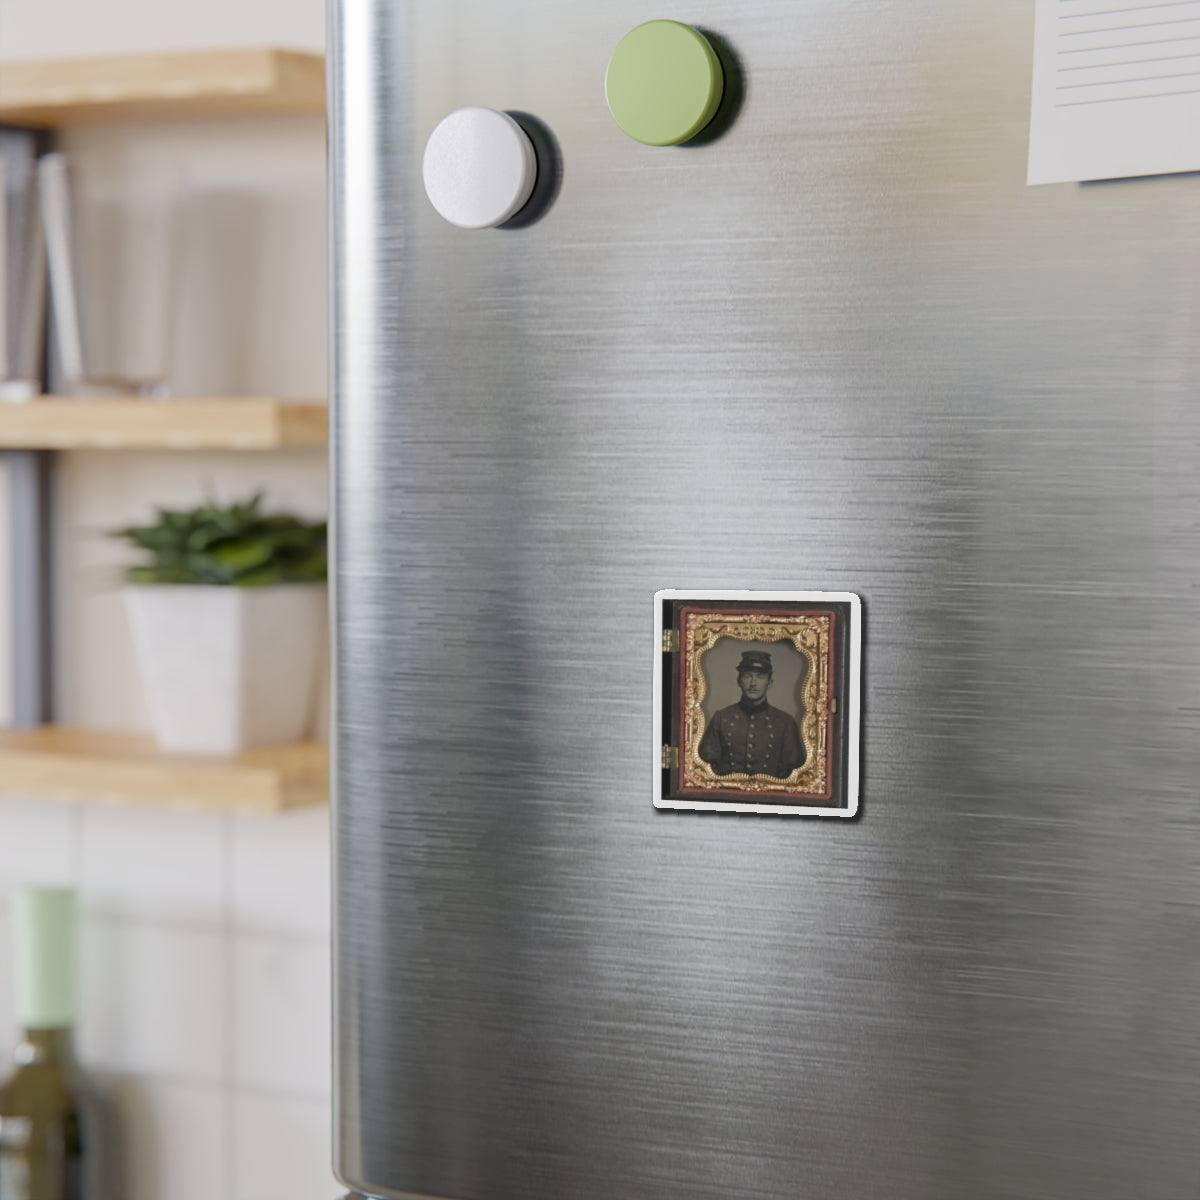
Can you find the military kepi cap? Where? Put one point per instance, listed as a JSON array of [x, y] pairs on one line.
[[755, 660]]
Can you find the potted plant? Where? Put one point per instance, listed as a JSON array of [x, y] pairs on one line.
[[228, 622]]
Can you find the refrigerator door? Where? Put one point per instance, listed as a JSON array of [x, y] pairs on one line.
[[841, 346]]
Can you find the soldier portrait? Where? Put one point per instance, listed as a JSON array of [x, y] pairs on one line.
[[758, 702], [752, 735]]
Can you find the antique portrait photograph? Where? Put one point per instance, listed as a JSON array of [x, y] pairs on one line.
[[758, 730], [758, 700]]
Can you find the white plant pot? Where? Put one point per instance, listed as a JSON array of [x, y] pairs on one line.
[[226, 668]]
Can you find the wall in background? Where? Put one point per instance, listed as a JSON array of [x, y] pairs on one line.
[[206, 936], [66, 28], [205, 988]]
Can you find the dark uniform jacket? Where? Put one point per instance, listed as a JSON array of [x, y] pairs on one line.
[[755, 740]]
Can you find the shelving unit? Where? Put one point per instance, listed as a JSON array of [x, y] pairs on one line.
[[227, 423], [219, 83], [77, 764], [82, 764]]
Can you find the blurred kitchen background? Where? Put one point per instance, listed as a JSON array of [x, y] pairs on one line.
[[205, 955]]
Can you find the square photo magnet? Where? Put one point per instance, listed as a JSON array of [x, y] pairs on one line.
[[758, 700]]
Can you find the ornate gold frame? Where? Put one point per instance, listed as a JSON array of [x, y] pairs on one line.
[[811, 634]]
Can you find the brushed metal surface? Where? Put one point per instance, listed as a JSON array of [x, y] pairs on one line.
[[841, 347]]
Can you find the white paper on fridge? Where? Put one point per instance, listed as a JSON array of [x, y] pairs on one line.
[[1116, 89]]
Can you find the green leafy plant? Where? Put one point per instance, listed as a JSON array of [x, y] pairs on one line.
[[238, 546]]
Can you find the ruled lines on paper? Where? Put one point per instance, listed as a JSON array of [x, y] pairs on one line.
[[1116, 89], [1108, 54]]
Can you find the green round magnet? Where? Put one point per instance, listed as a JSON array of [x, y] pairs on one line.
[[664, 83]]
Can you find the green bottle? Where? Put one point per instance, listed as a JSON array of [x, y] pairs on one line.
[[42, 1124]]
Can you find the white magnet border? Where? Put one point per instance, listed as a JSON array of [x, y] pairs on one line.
[[853, 703]]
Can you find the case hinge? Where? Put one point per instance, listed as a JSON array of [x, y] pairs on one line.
[[670, 758], [670, 641]]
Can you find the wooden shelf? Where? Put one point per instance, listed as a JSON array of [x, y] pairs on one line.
[[228, 423], [215, 83], [79, 764]]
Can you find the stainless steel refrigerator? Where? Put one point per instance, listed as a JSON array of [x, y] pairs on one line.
[[834, 343]]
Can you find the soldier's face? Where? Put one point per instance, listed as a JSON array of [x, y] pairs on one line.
[[754, 684]]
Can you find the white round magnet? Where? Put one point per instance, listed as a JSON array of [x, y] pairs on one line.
[[479, 168]]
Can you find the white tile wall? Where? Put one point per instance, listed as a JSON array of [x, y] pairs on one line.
[[156, 1000], [38, 843], [281, 872], [282, 1015], [205, 980], [172, 1140], [7, 1015], [154, 864], [282, 1150]]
